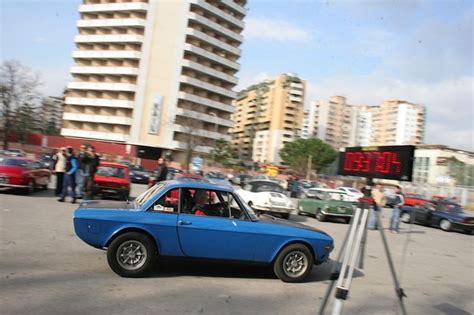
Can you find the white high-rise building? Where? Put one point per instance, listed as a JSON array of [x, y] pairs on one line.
[[157, 75]]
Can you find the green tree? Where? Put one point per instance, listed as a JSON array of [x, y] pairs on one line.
[[222, 152], [25, 121], [296, 154]]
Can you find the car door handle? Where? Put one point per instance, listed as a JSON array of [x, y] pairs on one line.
[[181, 222]]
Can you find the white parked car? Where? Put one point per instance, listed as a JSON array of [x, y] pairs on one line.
[[352, 194], [267, 197]]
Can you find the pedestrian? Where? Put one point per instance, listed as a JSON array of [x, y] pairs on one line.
[[395, 219], [379, 200], [69, 176], [59, 169], [294, 187], [81, 160], [89, 167], [162, 170]]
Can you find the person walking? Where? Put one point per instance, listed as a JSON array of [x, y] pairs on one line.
[[162, 170], [379, 199], [70, 176], [395, 219], [59, 169], [81, 160]]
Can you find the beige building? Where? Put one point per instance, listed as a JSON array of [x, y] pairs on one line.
[[52, 113], [268, 115], [155, 75]]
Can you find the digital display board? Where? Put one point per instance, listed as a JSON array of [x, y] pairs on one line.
[[387, 162]]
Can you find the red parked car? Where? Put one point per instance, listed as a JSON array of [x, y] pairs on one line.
[[112, 179], [414, 200], [24, 174]]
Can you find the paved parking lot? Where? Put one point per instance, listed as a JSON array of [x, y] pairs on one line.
[[45, 268]]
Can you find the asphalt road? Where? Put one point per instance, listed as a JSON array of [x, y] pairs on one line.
[[46, 269]]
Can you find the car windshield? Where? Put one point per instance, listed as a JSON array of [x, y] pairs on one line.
[[268, 187], [450, 207], [110, 171], [13, 162], [249, 210], [138, 168], [144, 197], [353, 190], [216, 176]]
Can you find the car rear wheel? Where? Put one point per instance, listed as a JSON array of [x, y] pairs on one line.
[[320, 216], [30, 189], [405, 217], [293, 263], [131, 255], [445, 225]]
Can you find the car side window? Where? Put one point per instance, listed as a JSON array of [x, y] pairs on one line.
[[203, 202], [169, 202]]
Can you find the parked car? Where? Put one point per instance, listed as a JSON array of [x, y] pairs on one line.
[[218, 178], [352, 194], [24, 174], [153, 226], [414, 200], [14, 152], [138, 175], [445, 215], [305, 186], [172, 172], [112, 179], [324, 203], [47, 161], [267, 197], [241, 179]]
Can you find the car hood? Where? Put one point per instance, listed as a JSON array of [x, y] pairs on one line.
[[264, 218], [11, 170], [106, 204]]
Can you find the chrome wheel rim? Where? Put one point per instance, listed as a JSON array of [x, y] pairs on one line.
[[295, 264], [445, 225], [131, 255], [405, 218]]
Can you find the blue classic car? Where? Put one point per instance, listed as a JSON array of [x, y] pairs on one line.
[[197, 219], [445, 215]]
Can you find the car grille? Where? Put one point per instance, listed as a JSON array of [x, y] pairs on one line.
[[3, 180]]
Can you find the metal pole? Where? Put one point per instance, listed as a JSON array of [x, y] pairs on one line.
[[308, 167]]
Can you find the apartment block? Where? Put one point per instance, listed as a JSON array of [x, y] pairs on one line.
[[268, 115], [52, 112], [155, 75]]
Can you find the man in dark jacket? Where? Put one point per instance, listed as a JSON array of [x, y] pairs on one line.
[[90, 164], [162, 170]]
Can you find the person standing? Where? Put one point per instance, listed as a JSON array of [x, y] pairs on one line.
[[70, 176], [395, 219], [91, 162], [59, 169], [81, 160], [162, 170], [379, 199]]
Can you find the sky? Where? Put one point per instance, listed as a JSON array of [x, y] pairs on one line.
[[367, 51]]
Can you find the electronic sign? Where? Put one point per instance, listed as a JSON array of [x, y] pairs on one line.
[[387, 162]]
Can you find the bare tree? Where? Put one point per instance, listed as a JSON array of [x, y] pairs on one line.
[[18, 88]]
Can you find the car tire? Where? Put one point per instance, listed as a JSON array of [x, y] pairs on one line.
[[30, 189], [445, 225], [293, 263], [132, 255], [285, 216], [405, 217], [320, 216], [347, 220]]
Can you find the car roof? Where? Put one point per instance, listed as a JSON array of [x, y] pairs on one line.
[[196, 184], [112, 164], [328, 190], [263, 181]]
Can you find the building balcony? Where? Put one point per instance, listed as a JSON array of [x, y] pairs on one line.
[[184, 146], [235, 6], [210, 8], [296, 92], [99, 119], [295, 85], [202, 133], [123, 38], [105, 70], [211, 56], [296, 99], [98, 102], [107, 23], [107, 54], [204, 117], [205, 101], [102, 86], [207, 86], [113, 7], [213, 41], [209, 71], [108, 136], [216, 27]]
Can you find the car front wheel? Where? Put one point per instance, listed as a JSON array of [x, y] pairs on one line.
[[293, 263], [405, 217], [320, 216], [445, 225], [131, 255]]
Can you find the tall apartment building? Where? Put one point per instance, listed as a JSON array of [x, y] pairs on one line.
[[335, 122], [52, 113], [268, 115], [156, 75], [305, 133], [398, 122]]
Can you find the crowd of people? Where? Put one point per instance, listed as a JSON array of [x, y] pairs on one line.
[[74, 172]]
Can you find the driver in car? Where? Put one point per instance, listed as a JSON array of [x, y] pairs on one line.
[[200, 203]]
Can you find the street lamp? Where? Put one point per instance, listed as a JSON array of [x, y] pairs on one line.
[[216, 126]]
